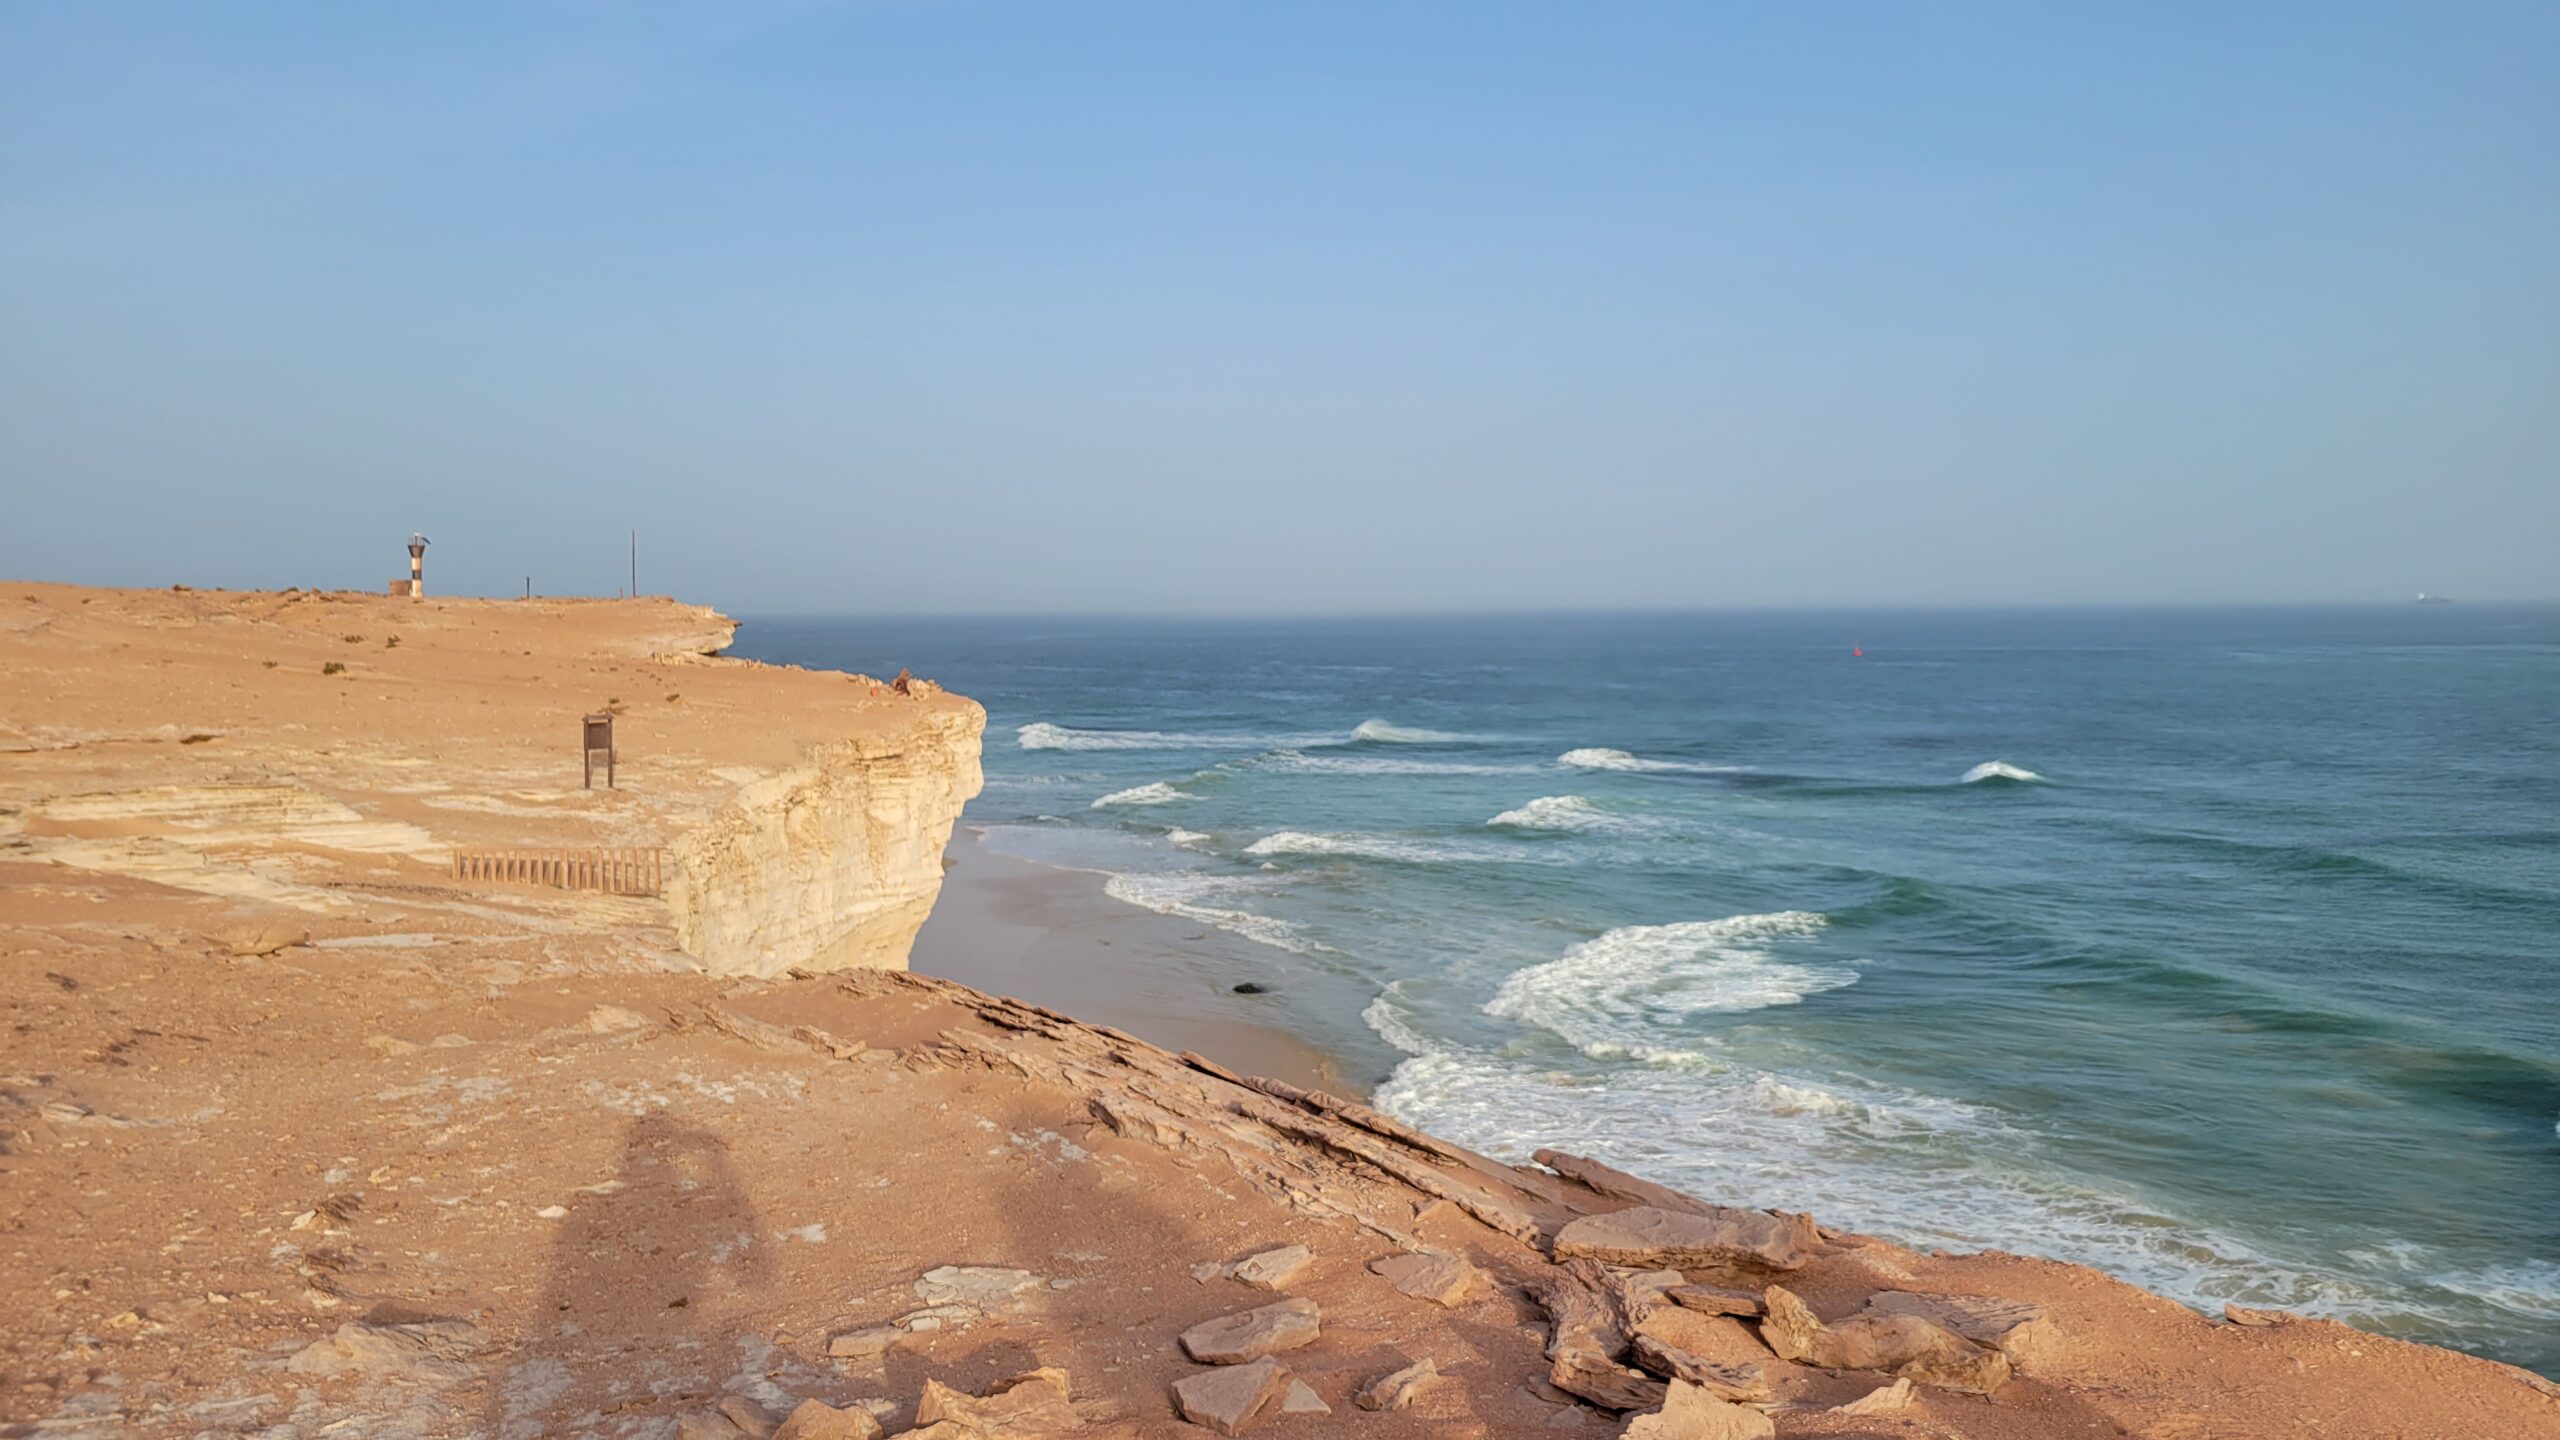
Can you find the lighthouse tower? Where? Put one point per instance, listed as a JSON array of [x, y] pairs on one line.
[[417, 567]]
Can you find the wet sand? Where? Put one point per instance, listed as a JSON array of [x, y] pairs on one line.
[[1052, 937]]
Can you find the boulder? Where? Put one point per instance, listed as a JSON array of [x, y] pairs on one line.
[[1232, 1398], [1903, 1343], [1397, 1388], [987, 1287], [1440, 1279], [1889, 1400], [1715, 1300], [2013, 1327], [1029, 1402], [1252, 1334], [1689, 1413], [818, 1420], [1681, 1240]]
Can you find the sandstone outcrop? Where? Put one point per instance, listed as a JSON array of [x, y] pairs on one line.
[[834, 863], [1690, 1413], [1897, 1341], [1708, 1237]]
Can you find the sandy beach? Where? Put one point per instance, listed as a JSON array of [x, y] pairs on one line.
[[308, 1135]]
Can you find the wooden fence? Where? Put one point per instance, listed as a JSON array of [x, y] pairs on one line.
[[614, 872]]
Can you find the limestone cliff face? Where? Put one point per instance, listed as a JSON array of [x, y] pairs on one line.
[[834, 863]]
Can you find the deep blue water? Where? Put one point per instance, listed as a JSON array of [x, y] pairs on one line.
[[2217, 949]]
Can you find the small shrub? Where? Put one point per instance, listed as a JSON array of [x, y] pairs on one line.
[[333, 668], [270, 664], [352, 639], [196, 739], [391, 644], [673, 697]]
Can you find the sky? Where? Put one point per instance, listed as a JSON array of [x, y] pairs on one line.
[[1286, 308]]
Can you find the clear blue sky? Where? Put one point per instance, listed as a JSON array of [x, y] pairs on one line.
[[1293, 307]]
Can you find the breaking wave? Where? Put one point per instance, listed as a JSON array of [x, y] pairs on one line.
[[1557, 812], [1158, 793], [1635, 991], [1367, 847], [1384, 733], [1998, 770], [1596, 758], [1180, 836], [1298, 762]]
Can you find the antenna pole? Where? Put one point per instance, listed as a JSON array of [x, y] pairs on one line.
[[635, 564]]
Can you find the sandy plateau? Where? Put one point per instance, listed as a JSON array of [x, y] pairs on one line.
[[303, 1136]]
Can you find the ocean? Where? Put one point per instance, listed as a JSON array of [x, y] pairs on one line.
[[2217, 949]]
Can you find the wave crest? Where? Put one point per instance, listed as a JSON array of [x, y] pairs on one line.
[[1363, 847], [1186, 896], [1601, 758], [1158, 793], [1556, 812], [1999, 770], [1386, 733]]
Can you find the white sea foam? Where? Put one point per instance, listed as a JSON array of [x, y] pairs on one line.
[[1384, 732], [1595, 758], [1298, 762], [1369, 847], [1187, 895], [1158, 793], [1998, 770], [1041, 735], [1558, 812], [1635, 990], [1920, 1169], [1180, 836]]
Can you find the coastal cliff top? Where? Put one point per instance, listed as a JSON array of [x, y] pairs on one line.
[[312, 1139]]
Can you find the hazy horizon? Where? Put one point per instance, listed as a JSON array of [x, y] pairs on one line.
[[1329, 310]]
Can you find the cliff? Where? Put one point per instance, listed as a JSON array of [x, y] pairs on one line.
[[310, 752], [833, 863]]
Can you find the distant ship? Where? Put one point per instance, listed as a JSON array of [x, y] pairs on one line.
[[2426, 599]]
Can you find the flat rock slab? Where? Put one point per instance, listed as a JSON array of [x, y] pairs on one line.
[[1440, 1279], [2251, 1315], [1232, 1399], [1033, 1401], [2014, 1327], [1302, 1399], [1253, 1334], [432, 1350], [1715, 1300], [985, 1286], [1680, 1240], [1273, 1269]]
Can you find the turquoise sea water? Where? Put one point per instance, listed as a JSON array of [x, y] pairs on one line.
[[2220, 950]]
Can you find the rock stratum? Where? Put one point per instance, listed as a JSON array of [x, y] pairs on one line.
[[302, 1136]]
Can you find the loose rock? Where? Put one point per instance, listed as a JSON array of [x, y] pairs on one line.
[[1273, 1269], [2250, 1315], [1689, 1413], [750, 1417], [1440, 1279], [1397, 1388], [818, 1420], [2013, 1327], [1682, 1240], [1301, 1399], [1253, 1334], [1027, 1402], [1232, 1398], [1724, 1382], [437, 1350], [1889, 1400]]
